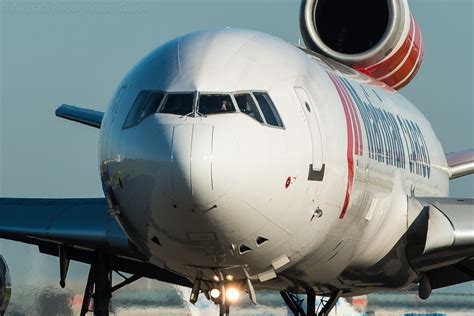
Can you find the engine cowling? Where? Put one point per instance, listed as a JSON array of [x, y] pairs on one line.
[[377, 37], [5, 286]]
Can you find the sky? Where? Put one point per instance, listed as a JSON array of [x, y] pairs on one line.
[[76, 52]]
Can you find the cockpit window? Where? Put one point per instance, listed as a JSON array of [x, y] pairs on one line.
[[132, 117], [145, 104], [180, 104], [215, 104], [268, 109], [257, 105], [247, 106], [151, 105]]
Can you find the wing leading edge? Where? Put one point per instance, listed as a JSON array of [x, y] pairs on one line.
[[460, 163], [82, 227], [80, 222], [80, 115], [441, 240]]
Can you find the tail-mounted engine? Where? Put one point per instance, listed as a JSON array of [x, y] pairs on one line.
[[377, 37]]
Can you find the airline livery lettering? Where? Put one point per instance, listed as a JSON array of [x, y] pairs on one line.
[[390, 137]]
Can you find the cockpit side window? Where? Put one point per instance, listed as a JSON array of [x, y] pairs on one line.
[[151, 105], [215, 104], [180, 104], [268, 109], [134, 114], [247, 106], [145, 104]]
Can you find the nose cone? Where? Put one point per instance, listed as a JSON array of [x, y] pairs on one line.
[[193, 153], [195, 188], [191, 159], [183, 164]]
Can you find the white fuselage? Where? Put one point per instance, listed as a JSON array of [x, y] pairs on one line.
[[226, 192]]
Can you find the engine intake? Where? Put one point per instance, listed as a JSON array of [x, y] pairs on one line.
[[377, 37]]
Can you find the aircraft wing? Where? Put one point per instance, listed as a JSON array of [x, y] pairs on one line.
[[81, 227], [460, 163], [80, 115], [440, 241]]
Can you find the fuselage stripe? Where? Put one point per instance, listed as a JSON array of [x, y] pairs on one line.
[[372, 140], [355, 118], [350, 156], [351, 115], [353, 102]]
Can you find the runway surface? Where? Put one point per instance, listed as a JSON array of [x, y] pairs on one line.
[[161, 300]]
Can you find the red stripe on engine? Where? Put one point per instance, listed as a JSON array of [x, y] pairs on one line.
[[406, 73], [350, 157], [388, 65], [404, 63]]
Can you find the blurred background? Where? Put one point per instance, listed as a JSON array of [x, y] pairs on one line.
[[76, 52]]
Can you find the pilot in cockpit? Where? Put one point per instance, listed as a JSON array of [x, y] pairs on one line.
[[225, 106], [248, 108]]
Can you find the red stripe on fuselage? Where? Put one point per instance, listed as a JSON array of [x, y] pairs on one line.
[[355, 118], [350, 156], [361, 142], [351, 115]]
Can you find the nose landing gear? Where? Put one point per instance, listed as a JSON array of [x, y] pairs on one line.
[[223, 291], [224, 303], [295, 304], [228, 295]]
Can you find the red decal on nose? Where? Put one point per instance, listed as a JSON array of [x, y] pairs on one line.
[[288, 182]]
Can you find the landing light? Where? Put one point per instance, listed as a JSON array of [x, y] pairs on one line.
[[232, 294], [215, 293], [229, 277]]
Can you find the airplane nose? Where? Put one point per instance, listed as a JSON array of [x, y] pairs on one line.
[[191, 172]]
